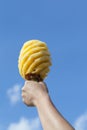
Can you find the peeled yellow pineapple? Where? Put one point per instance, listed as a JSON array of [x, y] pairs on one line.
[[34, 60]]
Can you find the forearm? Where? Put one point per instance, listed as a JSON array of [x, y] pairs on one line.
[[36, 94], [50, 118]]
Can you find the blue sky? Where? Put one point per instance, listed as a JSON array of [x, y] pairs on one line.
[[63, 26]]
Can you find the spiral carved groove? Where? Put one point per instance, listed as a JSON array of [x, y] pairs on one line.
[[34, 58]]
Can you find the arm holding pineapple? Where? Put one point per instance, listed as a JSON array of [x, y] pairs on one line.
[[36, 94]]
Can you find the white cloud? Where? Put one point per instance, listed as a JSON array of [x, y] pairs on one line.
[[14, 94], [26, 124], [81, 122]]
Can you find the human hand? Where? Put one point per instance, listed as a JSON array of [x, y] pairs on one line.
[[33, 91]]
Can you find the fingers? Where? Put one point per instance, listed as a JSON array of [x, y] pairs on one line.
[[23, 94], [23, 89], [23, 99]]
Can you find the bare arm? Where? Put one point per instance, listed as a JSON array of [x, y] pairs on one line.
[[34, 93]]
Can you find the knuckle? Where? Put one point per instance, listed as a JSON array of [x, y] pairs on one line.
[[23, 89], [23, 95]]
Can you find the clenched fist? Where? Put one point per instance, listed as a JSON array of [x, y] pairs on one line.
[[33, 91]]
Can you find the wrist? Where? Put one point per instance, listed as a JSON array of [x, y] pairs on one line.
[[41, 99]]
